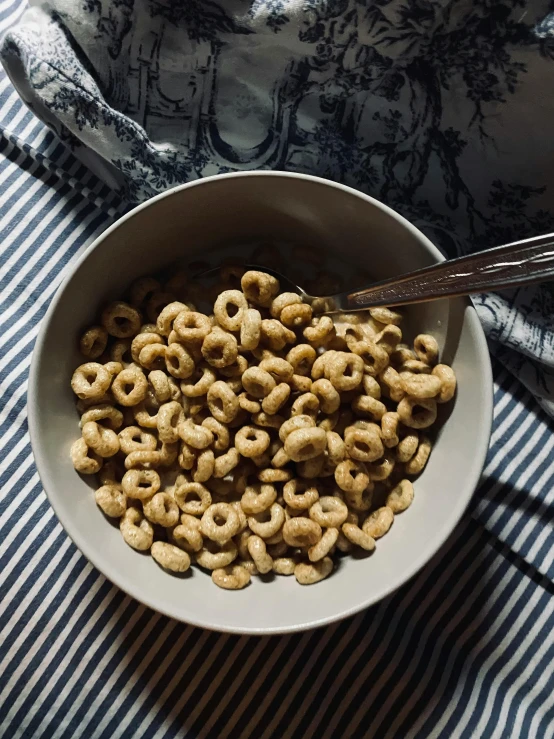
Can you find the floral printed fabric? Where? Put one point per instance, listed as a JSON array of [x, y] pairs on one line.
[[440, 108]]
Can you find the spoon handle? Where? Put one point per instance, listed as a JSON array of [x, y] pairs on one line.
[[512, 265]]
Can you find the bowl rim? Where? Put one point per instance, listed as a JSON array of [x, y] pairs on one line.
[[416, 563]]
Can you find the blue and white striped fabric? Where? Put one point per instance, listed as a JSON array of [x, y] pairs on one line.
[[463, 650]]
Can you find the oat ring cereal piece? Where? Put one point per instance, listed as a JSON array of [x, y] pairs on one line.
[[302, 357], [284, 565], [258, 551], [276, 399], [121, 320], [351, 476], [205, 465], [385, 315], [104, 412], [407, 447], [143, 458], [324, 545], [401, 496], [219, 431], [140, 341], [417, 413], [191, 326], [329, 512], [259, 287], [232, 577], [85, 460], [169, 420], [90, 381], [365, 405], [152, 356], [305, 404], [329, 398], [345, 371], [192, 497], [278, 368], [448, 382], [101, 440], [267, 523], [93, 342], [275, 335], [388, 338], [272, 475], [162, 509], [418, 461], [358, 537], [164, 322], [257, 382], [164, 388], [296, 316], [219, 348], [251, 441], [310, 573], [112, 500], [389, 429], [282, 301], [392, 382], [426, 348], [195, 435], [379, 522], [220, 522], [170, 557], [229, 309], [294, 424], [140, 484], [136, 530], [187, 534], [258, 498], [130, 386], [420, 386], [336, 448], [204, 377], [222, 402], [374, 357], [365, 445], [225, 463], [301, 532], [320, 332], [300, 496], [305, 443], [213, 556], [178, 361]]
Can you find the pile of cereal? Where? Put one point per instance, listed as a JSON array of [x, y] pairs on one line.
[[258, 439]]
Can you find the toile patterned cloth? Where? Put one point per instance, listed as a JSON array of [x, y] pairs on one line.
[[440, 108]]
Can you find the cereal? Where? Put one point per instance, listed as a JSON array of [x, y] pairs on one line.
[[251, 440], [170, 557]]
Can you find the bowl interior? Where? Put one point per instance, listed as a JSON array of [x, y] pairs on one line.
[[188, 223]]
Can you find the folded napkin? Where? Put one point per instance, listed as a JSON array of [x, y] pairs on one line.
[[440, 109]]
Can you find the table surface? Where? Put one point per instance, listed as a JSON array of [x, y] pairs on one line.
[[465, 649]]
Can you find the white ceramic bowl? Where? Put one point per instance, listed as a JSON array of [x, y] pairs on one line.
[[187, 222]]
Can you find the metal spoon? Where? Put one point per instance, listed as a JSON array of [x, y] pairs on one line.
[[519, 263]]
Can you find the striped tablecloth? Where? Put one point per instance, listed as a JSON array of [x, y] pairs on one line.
[[463, 650]]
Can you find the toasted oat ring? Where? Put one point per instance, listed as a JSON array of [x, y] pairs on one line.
[[204, 468], [267, 523], [232, 577], [358, 537], [301, 532], [417, 413], [276, 399], [191, 326], [85, 461], [329, 512], [293, 424], [379, 522], [259, 287], [448, 382], [226, 300], [300, 496], [365, 405], [284, 565], [420, 386], [179, 361], [185, 491], [143, 458], [121, 320], [111, 499], [170, 417], [101, 440], [196, 436], [416, 464], [374, 357], [401, 496], [205, 378], [365, 445], [222, 402], [214, 556], [426, 348], [251, 441], [211, 527], [219, 348], [136, 530], [144, 339], [258, 498], [90, 381], [282, 301], [93, 342], [305, 443], [161, 509], [322, 548], [134, 378], [272, 475], [278, 368], [302, 357], [351, 476], [309, 574], [140, 484], [345, 371], [296, 315], [258, 551], [329, 398], [226, 462], [187, 534], [170, 557]]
